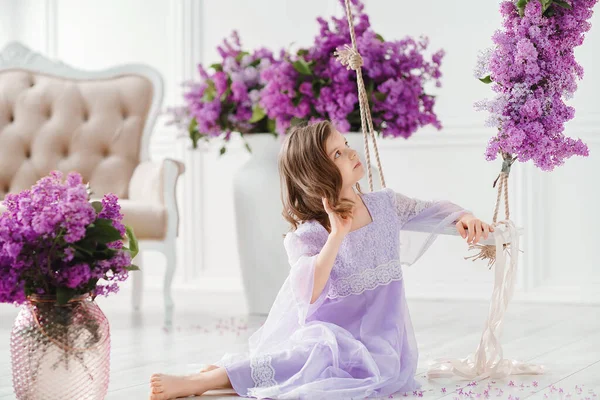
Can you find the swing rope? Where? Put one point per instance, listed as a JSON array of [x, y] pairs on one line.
[[488, 252], [351, 59], [487, 361]]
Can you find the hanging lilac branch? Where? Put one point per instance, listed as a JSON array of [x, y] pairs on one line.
[[532, 68]]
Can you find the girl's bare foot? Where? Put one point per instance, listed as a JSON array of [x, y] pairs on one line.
[[203, 370], [165, 387]]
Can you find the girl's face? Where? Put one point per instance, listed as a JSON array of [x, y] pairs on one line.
[[345, 158]]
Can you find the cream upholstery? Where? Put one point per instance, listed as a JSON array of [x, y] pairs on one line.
[[93, 127], [53, 117]]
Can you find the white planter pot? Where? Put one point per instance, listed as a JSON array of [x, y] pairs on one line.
[[260, 225], [356, 141]]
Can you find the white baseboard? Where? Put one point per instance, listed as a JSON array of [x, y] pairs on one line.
[[589, 295], [214, 284]]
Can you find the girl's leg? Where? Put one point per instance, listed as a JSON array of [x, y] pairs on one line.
[[209, 368], [166, 387]]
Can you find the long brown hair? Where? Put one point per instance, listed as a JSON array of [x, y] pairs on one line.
[[308, 175]]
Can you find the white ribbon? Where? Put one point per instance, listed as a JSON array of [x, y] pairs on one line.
[[487, 361]]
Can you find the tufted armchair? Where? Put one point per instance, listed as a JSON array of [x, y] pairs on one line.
[[54, 117]]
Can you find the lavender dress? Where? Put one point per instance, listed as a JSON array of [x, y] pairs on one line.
[[356, 340]]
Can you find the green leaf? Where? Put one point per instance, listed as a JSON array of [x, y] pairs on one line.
[[102, 231], [85, 246], [380, 96], [132, 267], [302, 52], [247, 145], [521, 6], [223, 150], [255, 63], [104, 254], [133, 243], [193, 126], [370, 87], [487, 79], [295, 121], [64, 294], [302, 67], [271, 126], [563, 4], [316, 87], [193, 132], [217, 67], [379, 37], [97, 206], [210, 92], [257, 114], [226, 94], [545, 5], [241, 55]]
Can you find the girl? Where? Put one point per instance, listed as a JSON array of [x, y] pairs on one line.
[[339, 327]]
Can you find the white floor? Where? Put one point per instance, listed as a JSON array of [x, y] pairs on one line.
[[565, 339]]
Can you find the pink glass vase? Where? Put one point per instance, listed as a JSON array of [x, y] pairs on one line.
[[60, 352]]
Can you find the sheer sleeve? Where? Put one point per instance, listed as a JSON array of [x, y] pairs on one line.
[[292, 305], [421, 222], [302, 256]]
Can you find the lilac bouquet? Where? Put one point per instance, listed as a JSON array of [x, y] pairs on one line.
[[311, 84], [226, 99], [54, 241], [532, 68]]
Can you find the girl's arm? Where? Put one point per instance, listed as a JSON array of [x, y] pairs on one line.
[[324, 264], [326, 258], [414, 212]]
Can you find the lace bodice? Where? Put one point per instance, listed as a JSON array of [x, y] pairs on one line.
[[369, 256]]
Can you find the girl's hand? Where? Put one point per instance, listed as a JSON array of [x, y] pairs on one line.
[[339, 226], [476, 228]]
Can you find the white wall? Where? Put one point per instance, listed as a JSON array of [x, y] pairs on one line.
[[173, 35], [7, 15]]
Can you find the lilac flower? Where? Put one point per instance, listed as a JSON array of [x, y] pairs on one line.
[[532, 68], [51, 240], [227, 99], [312, 84], [75, 276]]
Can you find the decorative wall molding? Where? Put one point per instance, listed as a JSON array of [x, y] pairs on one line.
[[50, 24], [188, 47]]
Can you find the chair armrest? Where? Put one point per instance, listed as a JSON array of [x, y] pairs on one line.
[[155, 182]]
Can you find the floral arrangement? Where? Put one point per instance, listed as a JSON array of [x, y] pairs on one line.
[[227, 99], [258, 93], [55, 242], [312, 84], [532, 68]]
